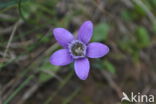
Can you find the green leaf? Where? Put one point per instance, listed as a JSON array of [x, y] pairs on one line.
[[152, 4], [126, 15], [44, 39], [30, 48], [48, 66], [135, 56], [101, 32], [43, 77], [126, 44], [1, 65], [139, 10], [142, 37], [28, 8], [109, 66]]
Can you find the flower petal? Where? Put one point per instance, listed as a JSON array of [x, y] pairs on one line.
[[85, 32], [97, 50], [82, 68], [61, 57], [63, 36]]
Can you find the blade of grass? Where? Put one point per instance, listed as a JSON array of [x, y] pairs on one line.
[[27, 69], [49, 100], [68, 99], [7, 101], [10, 3]]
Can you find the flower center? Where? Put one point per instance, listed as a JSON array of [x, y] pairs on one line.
[[77, 49]]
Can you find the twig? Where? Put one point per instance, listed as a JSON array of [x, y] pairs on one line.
[[146, 9], [103, 11], [21, 44], [7, 86], [128, 3], [3, 60], [7, 30], [112, 83], [6, 16], [11, 36], [28, 93]]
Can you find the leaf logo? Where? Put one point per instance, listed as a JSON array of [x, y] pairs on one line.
[[125, 97]]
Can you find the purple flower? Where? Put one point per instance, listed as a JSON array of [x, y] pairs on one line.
[[77, 49]]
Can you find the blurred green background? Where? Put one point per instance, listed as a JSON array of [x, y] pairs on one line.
[[128, 27]]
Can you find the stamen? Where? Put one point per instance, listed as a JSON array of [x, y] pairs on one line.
[[77, 49]]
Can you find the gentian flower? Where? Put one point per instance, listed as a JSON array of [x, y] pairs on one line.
[[77, 49]]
